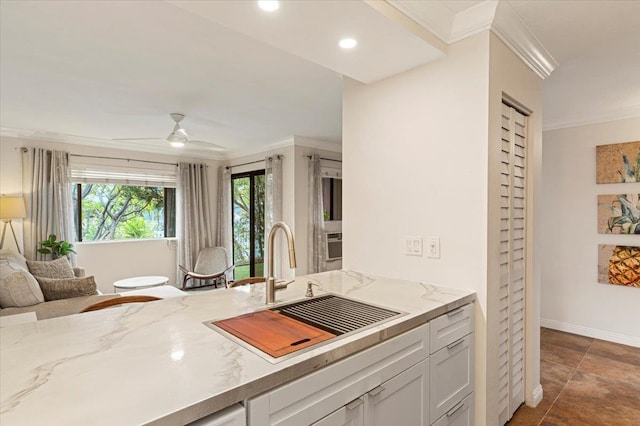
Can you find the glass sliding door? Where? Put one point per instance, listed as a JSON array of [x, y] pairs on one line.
[[248, 223]]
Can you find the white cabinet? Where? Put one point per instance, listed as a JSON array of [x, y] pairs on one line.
[[403, 400], [451, 376], [452, 368], [351, 414], [366, 374], [420, 378], [460, 415]]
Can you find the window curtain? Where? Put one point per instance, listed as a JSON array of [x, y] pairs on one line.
[[224, 234], [193, 214], [272, 204], [316, 250], [48, 198]]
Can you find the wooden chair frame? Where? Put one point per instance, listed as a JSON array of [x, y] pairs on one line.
[[119, 301]]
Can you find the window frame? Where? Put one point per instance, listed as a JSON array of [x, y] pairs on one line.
[[166, 211]]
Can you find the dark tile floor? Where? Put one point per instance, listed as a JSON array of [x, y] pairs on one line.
[[585, 381]]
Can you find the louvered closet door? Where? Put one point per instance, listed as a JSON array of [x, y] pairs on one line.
[[512, 262]]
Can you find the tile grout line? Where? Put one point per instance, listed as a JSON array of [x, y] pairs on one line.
[[566, 383]]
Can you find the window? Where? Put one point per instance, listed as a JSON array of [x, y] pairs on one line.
[[106, 211], [248, 223], [123, 199]]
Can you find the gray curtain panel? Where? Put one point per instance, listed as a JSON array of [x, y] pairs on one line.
[[224, 229], [273, 206], [47, 190], [194, 229], [315, 253]]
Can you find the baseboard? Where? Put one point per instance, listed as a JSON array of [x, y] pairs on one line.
[[536, 396], [591, 332]]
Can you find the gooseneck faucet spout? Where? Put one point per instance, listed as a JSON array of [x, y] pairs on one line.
[[271, 279]]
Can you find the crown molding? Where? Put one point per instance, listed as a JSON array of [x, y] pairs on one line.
[[510, 28], [53, 137], [622, 114], [473, 21], [317, 144], [494, 15]]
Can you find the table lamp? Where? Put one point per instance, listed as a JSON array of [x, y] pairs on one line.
[[11, 208]]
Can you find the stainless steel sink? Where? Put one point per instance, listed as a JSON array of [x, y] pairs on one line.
[[334, 314]]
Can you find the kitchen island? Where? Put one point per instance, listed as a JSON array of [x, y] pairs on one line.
[[158, 363]]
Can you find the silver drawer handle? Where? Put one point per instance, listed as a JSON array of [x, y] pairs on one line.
[[376, 391], [354, 404], [454, 344], [455, 409], [456, 312]]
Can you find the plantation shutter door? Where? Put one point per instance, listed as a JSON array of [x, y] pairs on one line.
[[512, 263]]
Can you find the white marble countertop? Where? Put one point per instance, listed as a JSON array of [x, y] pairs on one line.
[[158, 363]]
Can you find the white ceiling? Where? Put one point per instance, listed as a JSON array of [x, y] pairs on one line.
[[88, 72]]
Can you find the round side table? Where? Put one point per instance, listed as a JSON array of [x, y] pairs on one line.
[[136, 283]]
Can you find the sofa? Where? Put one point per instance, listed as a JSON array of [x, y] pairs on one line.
[[48, 288]]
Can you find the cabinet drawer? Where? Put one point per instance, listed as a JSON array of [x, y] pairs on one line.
[[451, 326], [314, 396], [452, 373], [460, 415]]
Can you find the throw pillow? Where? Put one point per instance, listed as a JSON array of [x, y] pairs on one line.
[[18, 288], [65, 288], [59, 268]]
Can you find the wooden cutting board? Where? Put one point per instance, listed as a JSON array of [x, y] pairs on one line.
[[273, 333]]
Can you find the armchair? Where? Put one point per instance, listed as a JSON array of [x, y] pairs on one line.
[[211, 264]]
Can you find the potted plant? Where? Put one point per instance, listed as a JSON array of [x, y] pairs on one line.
[[55, 248]]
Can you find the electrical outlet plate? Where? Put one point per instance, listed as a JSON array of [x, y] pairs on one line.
[[433, 247]]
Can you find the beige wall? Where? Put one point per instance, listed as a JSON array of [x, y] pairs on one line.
[[415, 164], [572, 298], [420, 154]]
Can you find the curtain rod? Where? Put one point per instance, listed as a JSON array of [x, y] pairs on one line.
[[326, 159], [119, 158], [252, 162]]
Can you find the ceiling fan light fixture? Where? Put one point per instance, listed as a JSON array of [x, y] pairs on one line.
[[177, 140], [269, 5]]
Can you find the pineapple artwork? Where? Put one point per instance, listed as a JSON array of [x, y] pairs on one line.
[[618, 163], [619, 214], [619, 265]]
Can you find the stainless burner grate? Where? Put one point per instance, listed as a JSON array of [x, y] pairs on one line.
[[336, 314]]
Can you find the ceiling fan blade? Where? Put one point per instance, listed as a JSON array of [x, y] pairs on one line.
[[209, 145], [138, 139]]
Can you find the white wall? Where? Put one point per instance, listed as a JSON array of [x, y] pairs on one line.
[[112, 260], [421, 158], [572, 298], [415, 164]]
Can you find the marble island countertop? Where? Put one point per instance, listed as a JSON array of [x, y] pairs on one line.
[[159, 363]]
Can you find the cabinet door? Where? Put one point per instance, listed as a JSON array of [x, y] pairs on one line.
[[460, 415], [403, 400], [351, 414], [451, 376]]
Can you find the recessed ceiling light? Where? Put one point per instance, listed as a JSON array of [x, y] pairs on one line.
[[269, 5], [348, 43]]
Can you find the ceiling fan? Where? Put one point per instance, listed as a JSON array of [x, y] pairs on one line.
[[179, 138]]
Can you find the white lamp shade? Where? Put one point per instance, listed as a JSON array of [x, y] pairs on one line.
[[12, 208]]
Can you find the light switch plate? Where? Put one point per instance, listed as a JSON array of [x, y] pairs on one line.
[[413, 246]]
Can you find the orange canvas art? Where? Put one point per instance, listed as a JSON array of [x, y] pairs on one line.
[[619, 265], [618, 163]]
